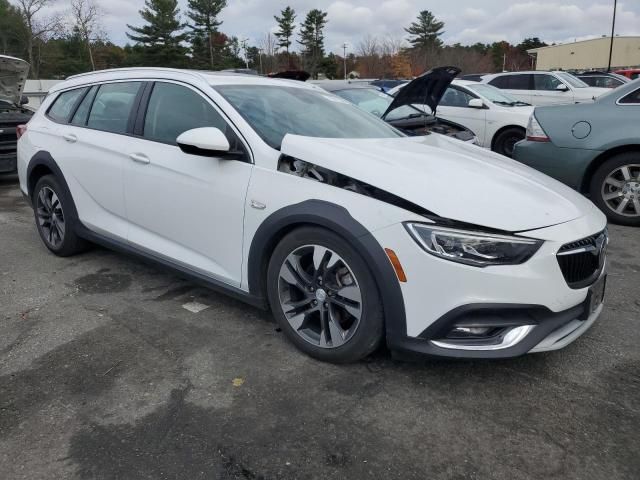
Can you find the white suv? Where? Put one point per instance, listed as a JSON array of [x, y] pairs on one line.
[[544, 88], [286, 196]]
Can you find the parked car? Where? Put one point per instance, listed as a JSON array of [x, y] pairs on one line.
[[281, 194], [13, 76], [399, 112], [592, 147], [544, 88], [386, 84], [631, 73], [498, 119], [602, 79], [473, 77]]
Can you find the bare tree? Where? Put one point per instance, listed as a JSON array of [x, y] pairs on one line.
[[37, 28], [368, 56], [85, 15], [269, 46]]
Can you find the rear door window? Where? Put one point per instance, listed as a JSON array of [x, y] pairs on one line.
[[519, 82], [63, 106], [112, 106]]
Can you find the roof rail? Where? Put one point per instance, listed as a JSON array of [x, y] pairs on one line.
[[194, 73]]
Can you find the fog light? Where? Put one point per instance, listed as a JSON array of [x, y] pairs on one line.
[[476, 331]]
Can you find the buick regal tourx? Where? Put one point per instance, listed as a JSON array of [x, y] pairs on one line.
[[291, 198]]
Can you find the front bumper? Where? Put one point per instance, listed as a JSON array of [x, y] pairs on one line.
[[439, 294], [567, 165], [8, 163]]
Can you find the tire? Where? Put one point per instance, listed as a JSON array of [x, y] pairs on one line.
[[615, 188], [338, 328], [57, 230], [505, 141]]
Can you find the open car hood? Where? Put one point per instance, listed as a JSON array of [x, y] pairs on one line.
[[13, 76], [449, 178], [427, 89]]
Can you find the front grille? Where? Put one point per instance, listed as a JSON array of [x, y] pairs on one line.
[[8, 140], [581, 262]]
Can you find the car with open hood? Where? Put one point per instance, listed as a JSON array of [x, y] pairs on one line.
[[399, 110], [498, 119], [13, 76], [290, 198]]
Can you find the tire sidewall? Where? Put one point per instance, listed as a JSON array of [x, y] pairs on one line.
[[502, 138], [369, 333], [595, 187]]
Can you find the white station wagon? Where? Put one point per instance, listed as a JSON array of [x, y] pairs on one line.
[[291, 198]]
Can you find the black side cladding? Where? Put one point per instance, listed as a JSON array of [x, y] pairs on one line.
[[304, 169]]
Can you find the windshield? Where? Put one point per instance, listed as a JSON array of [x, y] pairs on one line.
[[494, 95], [275, 111], [376, 102], [571, 80]]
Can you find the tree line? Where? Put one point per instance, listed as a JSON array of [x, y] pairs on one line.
[[57, 46]]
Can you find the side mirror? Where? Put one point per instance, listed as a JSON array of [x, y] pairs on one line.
[[476, 103], [24, 100], [562, 88], [205, 141]]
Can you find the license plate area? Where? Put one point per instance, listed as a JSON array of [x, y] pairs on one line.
[[595, 296]]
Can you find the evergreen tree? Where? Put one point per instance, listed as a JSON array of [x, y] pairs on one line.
[[312, 39], [286, 27], [12, 30], [425, 32], [161, 37], [204, 14]]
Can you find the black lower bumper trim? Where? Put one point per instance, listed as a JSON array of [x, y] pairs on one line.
[[545, 320]]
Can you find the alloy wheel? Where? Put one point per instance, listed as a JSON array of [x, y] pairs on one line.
[[320, 296], [50, 216], [621, 190]]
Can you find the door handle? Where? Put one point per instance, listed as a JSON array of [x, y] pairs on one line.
[[139, 158], [70, 137]]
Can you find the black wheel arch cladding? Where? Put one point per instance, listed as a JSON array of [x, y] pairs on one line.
[[43, 160], [337, 219]]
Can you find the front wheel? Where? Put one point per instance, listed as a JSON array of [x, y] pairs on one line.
[[505, 142], [324, 296], [615, 188]]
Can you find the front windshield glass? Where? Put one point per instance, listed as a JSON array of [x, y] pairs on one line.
[[571, 80], [376, 102], [494, 94], [275, 111]]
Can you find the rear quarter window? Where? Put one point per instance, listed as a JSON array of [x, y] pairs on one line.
[[631, 99], [64, 104]]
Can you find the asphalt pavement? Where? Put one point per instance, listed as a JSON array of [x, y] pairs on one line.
[[104, 373]]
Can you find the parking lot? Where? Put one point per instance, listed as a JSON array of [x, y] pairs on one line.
[[104, 374]]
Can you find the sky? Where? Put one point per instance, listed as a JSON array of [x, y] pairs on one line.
[[466, 21]]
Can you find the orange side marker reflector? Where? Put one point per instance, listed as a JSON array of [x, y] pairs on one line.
[[396, 265]]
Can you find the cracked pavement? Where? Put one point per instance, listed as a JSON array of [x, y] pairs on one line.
[[103, 374]]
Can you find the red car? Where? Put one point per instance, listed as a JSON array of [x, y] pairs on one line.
[[631, 73]]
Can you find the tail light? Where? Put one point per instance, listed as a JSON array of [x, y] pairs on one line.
[[21, 130], [535, 133]]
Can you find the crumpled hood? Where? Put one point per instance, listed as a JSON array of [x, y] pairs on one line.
[[427, 89], [13, 76], [449, 178]]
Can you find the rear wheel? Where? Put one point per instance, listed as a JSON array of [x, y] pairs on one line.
[[324, 297], [506, 140], [52, 206], [615, 188]]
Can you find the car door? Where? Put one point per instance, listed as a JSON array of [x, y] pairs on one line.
[[546, 90], [186, 208], [454, 106], [94, 143]]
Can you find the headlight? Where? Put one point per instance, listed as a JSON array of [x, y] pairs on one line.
[[473, 248]]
